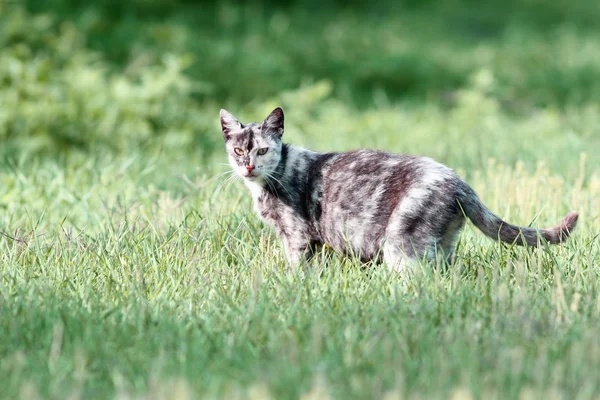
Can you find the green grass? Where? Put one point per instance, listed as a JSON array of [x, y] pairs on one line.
[[112, 286], [130, 267]]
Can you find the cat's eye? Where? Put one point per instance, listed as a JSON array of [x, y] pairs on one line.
[[238, 151], [263, 151]]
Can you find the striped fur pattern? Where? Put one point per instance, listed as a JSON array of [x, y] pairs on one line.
[[366, 203]]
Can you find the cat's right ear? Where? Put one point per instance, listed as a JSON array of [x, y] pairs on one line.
[[229, 123]]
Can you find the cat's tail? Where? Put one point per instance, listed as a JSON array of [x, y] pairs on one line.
[[494, 227]]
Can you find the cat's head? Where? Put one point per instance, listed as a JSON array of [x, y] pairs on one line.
[[254, 149]]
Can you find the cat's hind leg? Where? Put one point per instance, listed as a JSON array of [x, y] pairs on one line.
[[402, 251], [393, 258], [448, 240], [423, 227]]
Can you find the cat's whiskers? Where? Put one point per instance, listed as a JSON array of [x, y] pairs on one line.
[[226, 174], [218, 176], [272, 176], [227, 181]]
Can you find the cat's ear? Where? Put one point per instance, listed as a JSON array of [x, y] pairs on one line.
[[273, 124], [228, 123]]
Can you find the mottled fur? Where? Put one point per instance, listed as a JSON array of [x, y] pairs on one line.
[[370, 204]]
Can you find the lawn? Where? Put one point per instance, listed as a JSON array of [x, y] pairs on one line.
[[132, 267]]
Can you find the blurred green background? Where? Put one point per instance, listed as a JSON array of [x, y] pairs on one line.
[[459, 80]]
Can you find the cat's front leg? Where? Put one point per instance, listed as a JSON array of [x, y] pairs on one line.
[[297, 250]]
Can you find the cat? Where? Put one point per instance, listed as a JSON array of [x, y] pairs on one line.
[[370, 204]]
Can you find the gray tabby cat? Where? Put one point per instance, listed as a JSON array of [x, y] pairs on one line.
[[366, 203]]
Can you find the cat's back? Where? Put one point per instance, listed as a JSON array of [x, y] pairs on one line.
[[370, 168], [375, 175], [355, 176]]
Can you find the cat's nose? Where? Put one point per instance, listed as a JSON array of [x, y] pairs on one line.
[[249, 168]]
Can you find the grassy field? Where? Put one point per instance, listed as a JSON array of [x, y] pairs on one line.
[[131, 268]]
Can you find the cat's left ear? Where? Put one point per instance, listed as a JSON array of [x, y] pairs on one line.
[[228, 123], [273, 124]]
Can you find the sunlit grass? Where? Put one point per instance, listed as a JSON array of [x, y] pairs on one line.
[[131, 290]]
